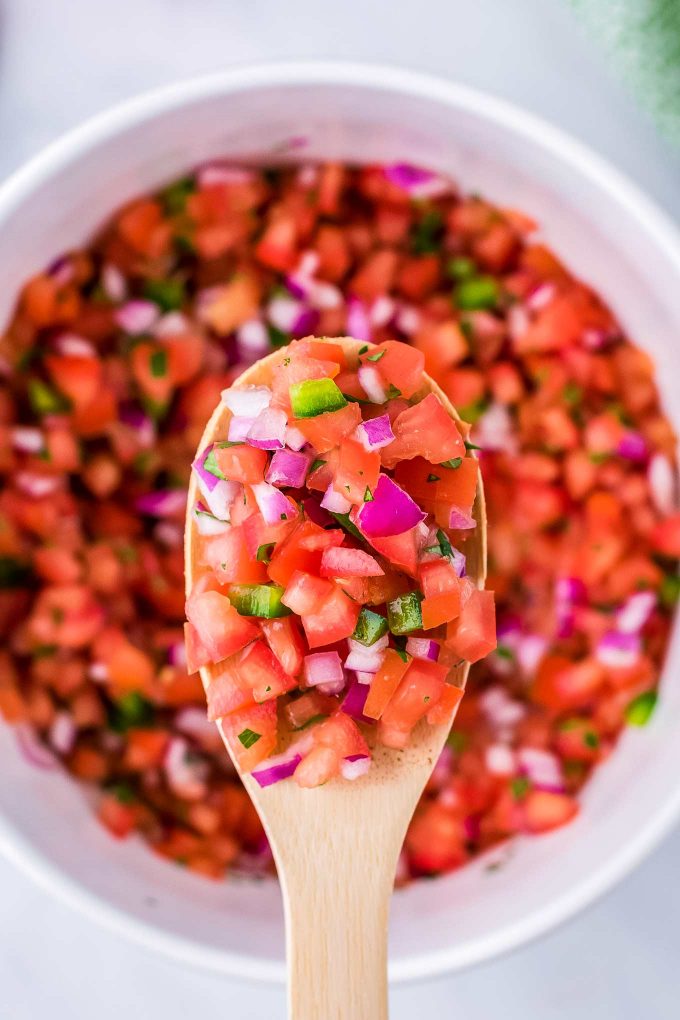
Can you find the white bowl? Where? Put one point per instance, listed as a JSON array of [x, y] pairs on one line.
[[606, 230]]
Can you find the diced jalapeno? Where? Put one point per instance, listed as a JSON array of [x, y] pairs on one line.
[[262, 600], [403, 613], [315, 396], [370, 626]]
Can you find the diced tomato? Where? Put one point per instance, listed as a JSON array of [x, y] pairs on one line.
[[666, 536], [78, 378], [334, 619], [257, 533], [285, 640], [329, 429], [220, 628], [244, 463], [563, 684], [316, 768], [424, 430], [145, 749], [341, 561], [357, 473], [227, 691], [435, 840], [301, 550], [277, 246], [262, 672], [402, 551], [342, 734], [443, 710], [239, 729], [399, 366], [228, 556], [385, 683], [307, 707], [543, 810], [418, 691], [473, 634], [118, 818], [304, 592]]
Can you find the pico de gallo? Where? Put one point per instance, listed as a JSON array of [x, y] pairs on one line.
[[112, 363], [331, 594]]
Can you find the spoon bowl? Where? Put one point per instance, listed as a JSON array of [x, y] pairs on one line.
[[336, 847]]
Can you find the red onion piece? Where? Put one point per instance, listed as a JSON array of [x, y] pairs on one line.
[[252, 340], [72, 345], [63, 732], [460, 521], [186, 773], [618, 650], [382, 310], [295, 439], [419, 183], [272, 504], [355, 766], [214, 175], [357, 322], [273, 770], [365, 660], [37, 486], [288, 468], [113, 283], [316, 513], [390, 512], [501, 710], [322, 668], [636, 610], [374, 433], [663, 483], [239, 429], [163, 503], [248, 401], [423, 648], [354, 701], [207, 523], [499, 760], [137, 317], [632, 446], [542, 768], [372, 384], [33, 749], [363, 676], [335, 502], [27, 440], [268, 431]]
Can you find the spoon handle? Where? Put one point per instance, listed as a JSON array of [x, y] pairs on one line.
[[336, 932]]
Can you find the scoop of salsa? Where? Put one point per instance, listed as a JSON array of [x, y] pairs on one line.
[[332, 595]]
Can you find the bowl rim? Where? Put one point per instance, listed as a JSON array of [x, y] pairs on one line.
[[583, 161]]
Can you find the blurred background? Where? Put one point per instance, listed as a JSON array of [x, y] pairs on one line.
[[63, 60]]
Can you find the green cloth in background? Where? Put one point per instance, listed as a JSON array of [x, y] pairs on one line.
[[643, 39]]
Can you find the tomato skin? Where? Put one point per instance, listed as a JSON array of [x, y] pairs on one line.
[[220, 628], [304, 592], [443, 710], [424, 430], [401, 551], [473, 634], [301, 550], [227, 692], [285, 640], [563, 684], [307, 707], [334, 620], [544, 811], [399, 366], [227, 555], [435, 840], [340, 561], [357, 471], [259, 719], [245, 464], [327, 430], [418, 691], [262, 672], [385, 683]]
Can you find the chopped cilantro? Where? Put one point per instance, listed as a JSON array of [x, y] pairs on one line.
[[130, 711], [444, 544], [572, 393], [174, 197], [426, 234], [454, 463], [471, 446], [460, 268], [158, 364], [168, 294], [362, 350], [277, 338], [393, 392], [639, 710], [13, 573], [376, 357], [503, 652], [264, 552], [368, 495], [591, 739], [249, 737], [519, 787], [433, 478], [670, 590], [318, 463], [123, 793]]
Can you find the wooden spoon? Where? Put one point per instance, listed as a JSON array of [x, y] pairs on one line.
[[336, 847]]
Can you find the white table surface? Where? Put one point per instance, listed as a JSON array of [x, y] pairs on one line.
[[61, 60]]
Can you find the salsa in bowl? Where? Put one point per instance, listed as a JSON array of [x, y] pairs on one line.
[[157, 314]]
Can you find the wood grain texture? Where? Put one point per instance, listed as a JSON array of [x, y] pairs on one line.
[[336, 847]]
